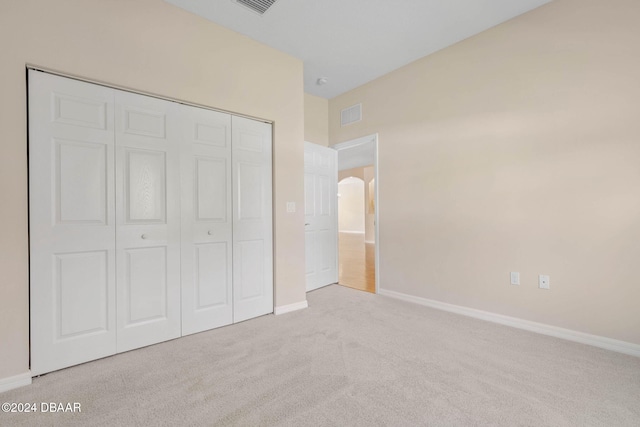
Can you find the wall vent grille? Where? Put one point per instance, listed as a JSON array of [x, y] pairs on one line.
[[259, 6], [351, 115]]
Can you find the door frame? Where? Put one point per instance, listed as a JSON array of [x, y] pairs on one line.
[[369, 139]]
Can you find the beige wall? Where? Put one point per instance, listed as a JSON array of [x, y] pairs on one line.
[[516, 150], [355, 172], [366, 174], [316, 120], [151, 46], [351, 205]]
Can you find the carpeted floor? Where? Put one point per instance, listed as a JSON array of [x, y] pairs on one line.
[[351, 359]]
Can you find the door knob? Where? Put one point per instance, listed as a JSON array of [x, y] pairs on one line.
[[210, 233], [144, 236], [308, 223]]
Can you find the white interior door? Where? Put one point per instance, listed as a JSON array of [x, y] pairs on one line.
[[147, 219], [320, 213], [252, 219], [207, 287], [72, 222]]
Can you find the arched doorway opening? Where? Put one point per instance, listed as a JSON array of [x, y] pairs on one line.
[[356, 235]]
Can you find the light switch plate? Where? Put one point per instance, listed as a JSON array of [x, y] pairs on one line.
[[291, 207]]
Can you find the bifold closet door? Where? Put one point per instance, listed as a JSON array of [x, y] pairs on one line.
[[207, 300], [252, 219], [72, 222], [149, 220], [147, 134]]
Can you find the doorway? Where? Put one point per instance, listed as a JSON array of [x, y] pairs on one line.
[[356, 235], [358, 241]]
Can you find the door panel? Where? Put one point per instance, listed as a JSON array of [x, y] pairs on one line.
[[138, 121], [252, 219], [211, 268], [327, 260], [147, 136], [81, 291], [80, 171], [310, 253], [77, 111], [321, 245], [250, 203], [211, 183], [251, 275], [206, 235], [325, 194], [144, 186], [145, 285], [71, 222]]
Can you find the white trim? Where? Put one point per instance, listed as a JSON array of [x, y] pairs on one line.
[[139, 92], [376, 218], [16, 381], [350, 232], [291, 307], [370, 241], [540, 328], [355, 142]]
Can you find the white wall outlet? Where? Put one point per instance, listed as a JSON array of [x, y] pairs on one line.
[[544, 282], [291, 207], [515, 278]]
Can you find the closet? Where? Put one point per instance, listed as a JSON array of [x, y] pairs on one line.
[[149, 220]]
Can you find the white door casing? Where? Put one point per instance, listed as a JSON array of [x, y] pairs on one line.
[[147, 220], [72, 222], [252, 218], [207, 300], [321, 217]]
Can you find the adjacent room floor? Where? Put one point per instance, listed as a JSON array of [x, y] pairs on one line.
[[351, 359], [357, 268]]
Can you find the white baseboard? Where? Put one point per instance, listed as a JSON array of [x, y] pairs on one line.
[[351, 232], [540, 328], [369, 241], [16, 381], [291, 307]]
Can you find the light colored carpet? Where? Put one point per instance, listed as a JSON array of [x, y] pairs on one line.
[[351, 359]]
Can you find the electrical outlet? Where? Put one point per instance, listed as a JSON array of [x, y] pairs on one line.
[[515, 278], [544, 282], [291, 207]]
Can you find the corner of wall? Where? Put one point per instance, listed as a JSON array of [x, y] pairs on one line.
[[316, 120]]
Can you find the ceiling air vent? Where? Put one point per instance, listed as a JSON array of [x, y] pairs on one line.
[[351, 115], [259, 6]]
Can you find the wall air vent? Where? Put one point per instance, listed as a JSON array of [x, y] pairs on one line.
[[351, 115], [258, 6]]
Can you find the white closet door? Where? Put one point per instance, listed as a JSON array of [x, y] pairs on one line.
[[148, 220], [207, 287], [252, 219], [321, 215], [72, 224]]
